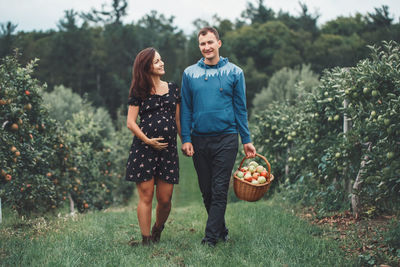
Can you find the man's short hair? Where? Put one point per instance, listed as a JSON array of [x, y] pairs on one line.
[[206, 30]]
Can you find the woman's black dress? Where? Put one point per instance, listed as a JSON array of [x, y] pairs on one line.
[[157, 119]]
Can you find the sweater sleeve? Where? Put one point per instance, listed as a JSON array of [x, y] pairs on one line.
[[239, 107], [186, 110]]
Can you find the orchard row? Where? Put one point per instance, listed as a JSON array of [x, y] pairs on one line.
[[341, 140], [43, 164]]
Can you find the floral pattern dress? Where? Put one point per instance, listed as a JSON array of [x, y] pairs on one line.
[[157, 119]]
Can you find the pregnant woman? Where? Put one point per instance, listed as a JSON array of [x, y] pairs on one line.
[[153, 157]]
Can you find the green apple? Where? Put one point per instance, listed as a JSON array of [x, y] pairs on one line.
[[261, 179], [253, 163], [259, 168], [390, 155], [252, 168], [240, 174]]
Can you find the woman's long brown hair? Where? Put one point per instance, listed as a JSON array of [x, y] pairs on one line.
[[141, 81]]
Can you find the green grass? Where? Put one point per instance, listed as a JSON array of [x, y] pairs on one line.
[[187, 191], [262, 234]]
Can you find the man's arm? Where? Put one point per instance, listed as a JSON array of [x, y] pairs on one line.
[[239, 106], [240, 109], [186, 117]]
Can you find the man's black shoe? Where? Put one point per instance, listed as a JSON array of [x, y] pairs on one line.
[[207, 242], [225, 237]]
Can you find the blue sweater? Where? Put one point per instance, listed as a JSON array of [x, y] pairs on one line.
[[213, 101]]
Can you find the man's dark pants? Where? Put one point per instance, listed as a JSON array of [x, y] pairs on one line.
[[214, 157]]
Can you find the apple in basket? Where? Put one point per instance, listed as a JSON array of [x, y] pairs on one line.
[[247, 175], [244, 169], [264, 173], [252, 168], [259, 168], [240, 174], [254, 182], [261, 179], [255, 175], [253, 163]]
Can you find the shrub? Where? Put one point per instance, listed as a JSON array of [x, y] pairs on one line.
[[307, 139], [31, 149]]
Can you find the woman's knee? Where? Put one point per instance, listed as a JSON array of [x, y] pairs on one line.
[[146, 196], [164, 201]]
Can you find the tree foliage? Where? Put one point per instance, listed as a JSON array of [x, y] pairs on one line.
[[286, 85], [92, 53], [321, 163], [43, 161]]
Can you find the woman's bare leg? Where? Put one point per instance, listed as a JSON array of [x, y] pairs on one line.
[[146, 191], [164, 195]]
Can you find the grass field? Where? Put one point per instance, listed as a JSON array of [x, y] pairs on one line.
[[261, 234]]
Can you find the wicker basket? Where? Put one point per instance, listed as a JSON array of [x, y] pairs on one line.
[[247, 191]]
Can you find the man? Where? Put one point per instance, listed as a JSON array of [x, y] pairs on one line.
[[213, 111]]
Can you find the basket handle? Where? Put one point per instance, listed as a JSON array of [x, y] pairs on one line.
[[262, 157]]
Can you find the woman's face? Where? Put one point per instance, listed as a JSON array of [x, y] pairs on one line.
[[157, 68]]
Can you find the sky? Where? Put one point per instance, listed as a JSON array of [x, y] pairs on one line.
[[43, 15]]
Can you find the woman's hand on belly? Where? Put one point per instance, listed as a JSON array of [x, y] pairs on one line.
[[154, 142]]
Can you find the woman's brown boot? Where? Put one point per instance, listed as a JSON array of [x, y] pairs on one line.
[[146, 240], [156, 233]]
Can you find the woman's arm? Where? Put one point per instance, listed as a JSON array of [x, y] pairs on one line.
[[133, 112], [178, 120]]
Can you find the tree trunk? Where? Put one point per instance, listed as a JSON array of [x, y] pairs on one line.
[[287, 164], [345, 118], [355, 201], [98, 85], [71, 204], [346, 128]]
